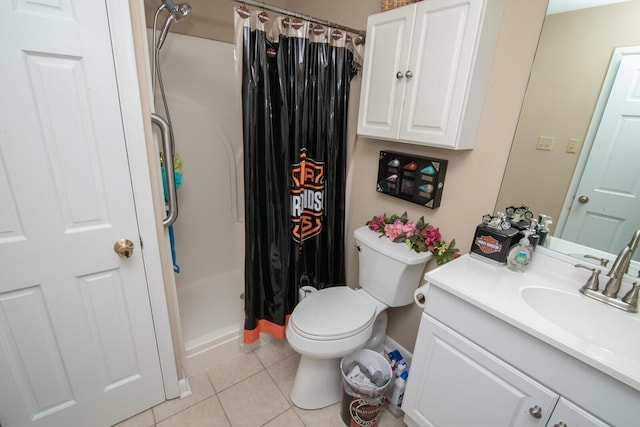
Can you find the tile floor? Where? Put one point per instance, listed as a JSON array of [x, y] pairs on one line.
[[249, 390]]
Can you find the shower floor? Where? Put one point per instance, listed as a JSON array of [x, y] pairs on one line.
[[211, 308]]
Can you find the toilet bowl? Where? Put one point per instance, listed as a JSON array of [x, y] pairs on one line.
[[324, 327], [333, 322]]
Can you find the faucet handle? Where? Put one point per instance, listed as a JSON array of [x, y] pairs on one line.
[[603, 261], [631, 297], [593, 283]]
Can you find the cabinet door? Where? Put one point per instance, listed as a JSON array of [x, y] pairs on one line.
[[386, 55], [441, 61], [455, 383], [567, 414]]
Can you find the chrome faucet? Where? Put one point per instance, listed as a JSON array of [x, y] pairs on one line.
[[619, 268]]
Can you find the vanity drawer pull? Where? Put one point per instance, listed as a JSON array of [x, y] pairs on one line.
[[536, 411], [560, 424]]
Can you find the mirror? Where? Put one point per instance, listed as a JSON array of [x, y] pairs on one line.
[[571, 63]]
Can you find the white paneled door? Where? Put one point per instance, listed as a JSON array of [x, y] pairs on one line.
[[605, 212], [77, 343]]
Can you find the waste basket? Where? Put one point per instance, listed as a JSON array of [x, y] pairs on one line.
[[365, 378]]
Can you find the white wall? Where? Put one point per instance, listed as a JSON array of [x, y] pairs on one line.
[[199, 80]]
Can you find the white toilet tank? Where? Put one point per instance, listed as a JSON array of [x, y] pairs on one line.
[[389, 271]]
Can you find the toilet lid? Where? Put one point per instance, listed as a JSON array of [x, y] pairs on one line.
[[332, 313]]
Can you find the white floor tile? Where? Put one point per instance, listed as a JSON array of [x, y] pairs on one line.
[[143, 419], [208, 413], [288, 419], [233, 371], [284, 372], [253, 402], [273, 352], [201, 389], [325, 417]]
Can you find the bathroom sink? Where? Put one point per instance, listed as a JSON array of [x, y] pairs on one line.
[[597, 324]]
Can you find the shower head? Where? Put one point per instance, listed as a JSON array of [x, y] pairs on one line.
[[176, 13], [180, 11]]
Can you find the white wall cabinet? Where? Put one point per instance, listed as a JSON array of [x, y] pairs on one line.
[[454, 382], [426, 71]]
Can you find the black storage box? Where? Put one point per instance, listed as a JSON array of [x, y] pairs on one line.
[[413, 178], [493, 245]]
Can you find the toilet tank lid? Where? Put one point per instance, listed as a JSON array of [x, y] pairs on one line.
[[397, 251]]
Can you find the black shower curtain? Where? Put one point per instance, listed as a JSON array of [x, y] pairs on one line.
[[295, 91]]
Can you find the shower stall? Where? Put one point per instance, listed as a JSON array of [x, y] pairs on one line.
[[204, 107]]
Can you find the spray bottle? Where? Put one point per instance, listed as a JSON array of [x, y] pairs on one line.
[[395, 402]]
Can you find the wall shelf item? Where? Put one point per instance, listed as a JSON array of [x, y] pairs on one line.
[[426, 72], [415, 179]]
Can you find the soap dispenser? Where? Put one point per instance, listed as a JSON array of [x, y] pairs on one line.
[[520, 255], [544, 222]]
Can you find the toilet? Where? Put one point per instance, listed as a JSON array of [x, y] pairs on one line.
[[333, 322]]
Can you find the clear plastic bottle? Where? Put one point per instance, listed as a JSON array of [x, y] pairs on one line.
[[520, 256]]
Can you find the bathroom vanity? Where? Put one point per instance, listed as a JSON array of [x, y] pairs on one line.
[[501, 348]]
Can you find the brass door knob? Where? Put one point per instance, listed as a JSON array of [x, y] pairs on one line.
[[124, 248], [583, 199]]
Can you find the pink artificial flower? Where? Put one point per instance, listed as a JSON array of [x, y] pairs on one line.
[[398, 228], [409, 229], [377, 223], [431, 235], [393, 230]]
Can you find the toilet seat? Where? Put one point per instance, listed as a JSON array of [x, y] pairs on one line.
[[332, 314]]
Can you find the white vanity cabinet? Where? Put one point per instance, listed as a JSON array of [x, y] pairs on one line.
[[472, 367], [566, 414], [426, 70], [454, 382]]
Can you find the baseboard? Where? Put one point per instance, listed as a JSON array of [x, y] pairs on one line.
[[390, 344], [185, 386]]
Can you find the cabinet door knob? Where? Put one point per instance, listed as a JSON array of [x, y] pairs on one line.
[[536, 411], [399, 75], [409, 74], [583, 199], [560, 424]]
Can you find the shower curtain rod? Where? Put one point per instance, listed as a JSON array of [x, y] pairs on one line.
[[287, 12]]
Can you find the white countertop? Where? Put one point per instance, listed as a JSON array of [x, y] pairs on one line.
[[498, 291]]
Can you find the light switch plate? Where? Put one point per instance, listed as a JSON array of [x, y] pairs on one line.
[[545, 143], [572, 145]]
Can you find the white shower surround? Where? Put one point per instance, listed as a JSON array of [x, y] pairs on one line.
[[200, 84]]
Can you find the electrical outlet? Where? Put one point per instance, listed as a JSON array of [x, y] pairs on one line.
[[572, 145], [545, 143]]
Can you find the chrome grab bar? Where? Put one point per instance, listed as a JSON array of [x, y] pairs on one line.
[[169, 172]]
